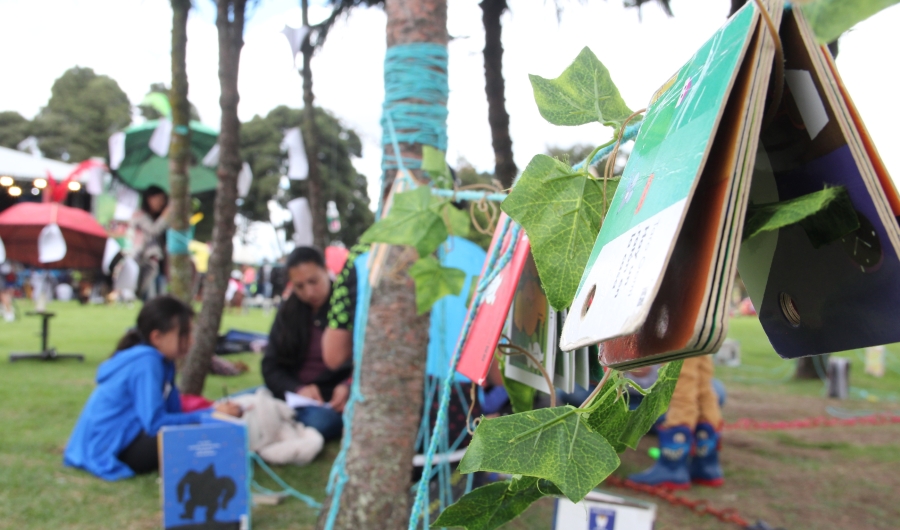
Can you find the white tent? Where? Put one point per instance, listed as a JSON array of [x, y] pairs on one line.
[[24, 166]]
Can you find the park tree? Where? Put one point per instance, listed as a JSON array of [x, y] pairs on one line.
[[311, 138], [505, 169], [180, 271], [383, 433], [230, 26], [260, 146], [83, 110], [13, 128], [151, 113]]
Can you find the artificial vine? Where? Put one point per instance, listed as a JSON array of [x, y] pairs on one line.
[[559, 450]]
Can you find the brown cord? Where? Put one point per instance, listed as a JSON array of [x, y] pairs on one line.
[[518, 350], [471, 425], [778, 74]]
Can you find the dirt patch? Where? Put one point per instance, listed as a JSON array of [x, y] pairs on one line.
[[834, 477]]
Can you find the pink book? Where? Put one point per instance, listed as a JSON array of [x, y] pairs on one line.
[[478, 349]]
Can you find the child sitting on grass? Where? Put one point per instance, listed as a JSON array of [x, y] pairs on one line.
[[115, 436]]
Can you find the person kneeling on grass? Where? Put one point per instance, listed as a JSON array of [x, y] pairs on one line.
[[115, 436]]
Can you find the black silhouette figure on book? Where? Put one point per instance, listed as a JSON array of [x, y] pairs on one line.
[[207, 490]]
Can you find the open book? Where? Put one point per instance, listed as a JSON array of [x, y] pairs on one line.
[[658, 283]]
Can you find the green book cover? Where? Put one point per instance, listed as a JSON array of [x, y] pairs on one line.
[[633, 248]]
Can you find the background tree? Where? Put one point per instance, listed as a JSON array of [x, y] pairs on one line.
[[180, 270], [151, 113], [13, 128], [260, 147], [230, 25], [505, 169], [83, 110], [311, 139], [379, 460]]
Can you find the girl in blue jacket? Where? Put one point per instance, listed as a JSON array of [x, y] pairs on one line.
[[115, 436]]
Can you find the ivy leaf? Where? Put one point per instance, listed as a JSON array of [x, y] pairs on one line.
[[414, 220], [830, 18], [434, 162], [521, 396], [583, 93], [491, 506], [434, 281], [826, 216], [553, 444], [611, 417], [456, 221], [561, 211], [654, 405]]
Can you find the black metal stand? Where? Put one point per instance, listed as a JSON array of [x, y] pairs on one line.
[[46, 354]]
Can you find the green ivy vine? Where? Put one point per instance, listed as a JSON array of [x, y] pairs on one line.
[[560, 451]]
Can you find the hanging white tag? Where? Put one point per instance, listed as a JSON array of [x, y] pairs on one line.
[[2, 252], [51, 244], [244, 180], [116, 150], [212, 157], [298, 165], [303, 234], [162, 137], [112, 248]]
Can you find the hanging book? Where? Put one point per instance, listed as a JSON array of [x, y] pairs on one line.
[[655, 288], [531, 326], [490, 316]]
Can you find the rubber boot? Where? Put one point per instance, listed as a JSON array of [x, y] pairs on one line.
[[671, 469], [705, 468]]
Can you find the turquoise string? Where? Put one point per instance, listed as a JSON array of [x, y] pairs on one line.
[[177, 241], [287, 490], [338, 476], [629, 134], [495, 265]]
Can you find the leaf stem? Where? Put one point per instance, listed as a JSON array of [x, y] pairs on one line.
[[597, 390]]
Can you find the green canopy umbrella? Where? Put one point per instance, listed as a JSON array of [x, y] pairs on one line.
[[141, 167]]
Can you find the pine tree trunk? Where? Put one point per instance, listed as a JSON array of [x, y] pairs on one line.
[[311, 142], [494, 87], [180, 151], [206, 331], [379, 461]]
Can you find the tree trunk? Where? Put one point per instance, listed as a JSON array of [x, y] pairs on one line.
[[311, 142], [504, 166], [807, 370], [180, 153], [379, 461], [736, 6], [230, 24]]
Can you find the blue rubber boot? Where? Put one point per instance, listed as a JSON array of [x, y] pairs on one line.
[[705, 468], [671, 469]]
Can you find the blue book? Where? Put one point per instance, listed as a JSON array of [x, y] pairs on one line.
[[205, 476]]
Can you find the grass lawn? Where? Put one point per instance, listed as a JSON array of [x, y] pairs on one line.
[[43, 400]]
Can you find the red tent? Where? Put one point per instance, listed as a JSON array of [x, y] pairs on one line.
[[21, 224]]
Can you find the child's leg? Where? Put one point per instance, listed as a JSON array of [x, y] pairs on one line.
[[141, 454]]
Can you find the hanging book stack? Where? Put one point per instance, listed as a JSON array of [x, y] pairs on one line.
[[736, 134]]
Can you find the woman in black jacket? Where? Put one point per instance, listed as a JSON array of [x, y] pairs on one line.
[[293, 358]]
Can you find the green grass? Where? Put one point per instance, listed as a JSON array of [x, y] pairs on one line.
[[760, 365], [43, 399]]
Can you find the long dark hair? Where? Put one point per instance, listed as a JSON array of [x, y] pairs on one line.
[[294, 315], [145, 203], [162, 313]]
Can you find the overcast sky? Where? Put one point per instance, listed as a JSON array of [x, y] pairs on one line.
[[129, 40]]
